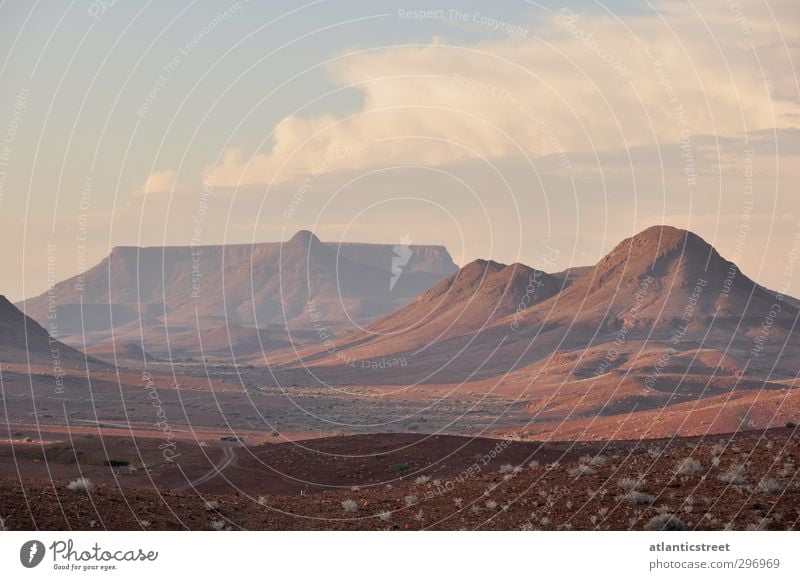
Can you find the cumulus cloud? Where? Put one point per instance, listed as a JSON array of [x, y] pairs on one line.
[[577, 83], [159, 182]]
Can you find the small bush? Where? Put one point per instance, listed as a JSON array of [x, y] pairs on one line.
[[422, 480], [399, 467], [81, 484], [666, 523], [791, 425], [590, 460], [411, 500], [3, 526], [734, 475], [217, 525], [506, 468], [629, 484], [385, 516], [211, 506], [770, 486], [688, 466], [350, 506], [582, 469], [491, 504], [639, 498], [116, 463]]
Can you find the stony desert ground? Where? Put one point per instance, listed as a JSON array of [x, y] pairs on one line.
[[744, 481]]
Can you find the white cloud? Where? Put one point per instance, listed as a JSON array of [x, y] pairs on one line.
[[159, 182], [587, 82]]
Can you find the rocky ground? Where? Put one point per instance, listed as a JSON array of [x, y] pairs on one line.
[[744, 481]]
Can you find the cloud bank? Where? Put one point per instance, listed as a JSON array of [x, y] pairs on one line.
[[577, 83]]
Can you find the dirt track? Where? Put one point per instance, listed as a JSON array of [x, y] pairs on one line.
[[228, 457]]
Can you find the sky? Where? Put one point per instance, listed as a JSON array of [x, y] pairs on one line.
[[542, 133]]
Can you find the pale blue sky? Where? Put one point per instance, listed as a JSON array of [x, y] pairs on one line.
[[75, 79]]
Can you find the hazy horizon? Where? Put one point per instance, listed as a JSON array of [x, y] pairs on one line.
[[552, 259]]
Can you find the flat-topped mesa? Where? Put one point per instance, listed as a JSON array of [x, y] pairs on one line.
[[180, 287], [421, 257]]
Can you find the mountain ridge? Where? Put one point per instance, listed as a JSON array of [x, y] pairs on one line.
[[177, 289], [661, 285]]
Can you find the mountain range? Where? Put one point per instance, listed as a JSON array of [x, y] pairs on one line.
[[663, 288], [662, 300], [241, 298], [662, 335]]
